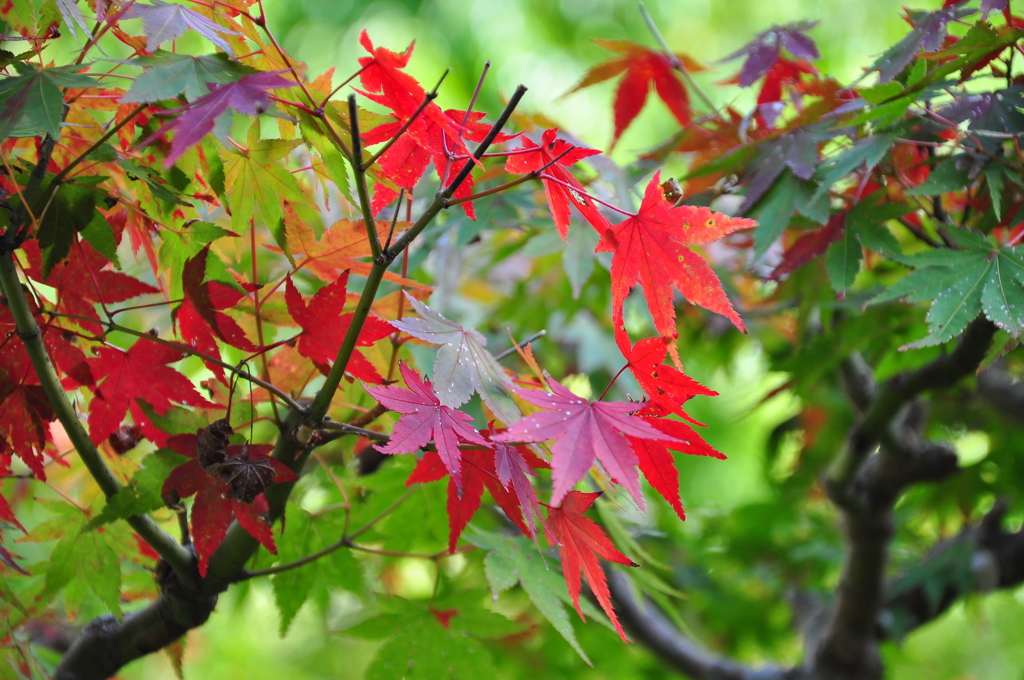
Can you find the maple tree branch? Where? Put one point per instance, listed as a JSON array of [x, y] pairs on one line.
[[107, 135], [981, 558], [649, 625], [941, 373], [358, 169], [442, 197], [533, 174], [919, 233], [35, 179], [28, 330], [430, 96], [322, 400], [884, 454]]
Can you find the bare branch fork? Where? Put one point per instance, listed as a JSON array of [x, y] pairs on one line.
[[186, 600]]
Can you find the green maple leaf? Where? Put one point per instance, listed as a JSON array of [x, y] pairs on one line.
[[305, 535], [440, 641], [977, 277], [81, 552], [32, 103], [256, 182], [142, 493], [517, 560], [167, 75]]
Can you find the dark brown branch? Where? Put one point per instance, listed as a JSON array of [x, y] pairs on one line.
[[106, 644], [885, 453], [942, 373], [650, 626], [1006, 396], [979, 559]]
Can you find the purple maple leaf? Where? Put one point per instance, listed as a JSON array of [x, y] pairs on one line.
[[989, 6], [463, 364], [763, 51], [246, 95], [512, 471], [425, 418], [929, 32], [163, 21], [583, 431]]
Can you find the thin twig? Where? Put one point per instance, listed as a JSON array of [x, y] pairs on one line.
[[394, 219], [430, 96], [110, 133], [391, 508], [678, 63], [533, 174], [465, 120], [245, 375], [519, 345]]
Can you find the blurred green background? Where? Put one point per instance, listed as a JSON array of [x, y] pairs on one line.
[[545, 44]]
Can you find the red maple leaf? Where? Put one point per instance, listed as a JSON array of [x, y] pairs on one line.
[[650, 247], [81, 281], [212, 512], [668, 386], [657, 464], [324, 328], [560, 197], [199, 317], [644, 68], [246, 95], [582, 431], [580, 542], [785, 74], [25, 412], [425, 418], [407, 159], [810, 245], [139, 373], [382, 75], [484, 468]]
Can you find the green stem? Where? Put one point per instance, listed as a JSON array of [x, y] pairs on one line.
[[358, 169], [28, 330]]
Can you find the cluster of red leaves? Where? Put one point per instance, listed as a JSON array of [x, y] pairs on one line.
[[435, 135], [624, 439]]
